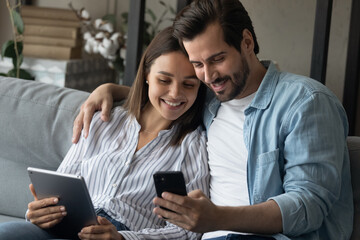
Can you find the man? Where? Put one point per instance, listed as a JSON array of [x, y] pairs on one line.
[[276, 141]]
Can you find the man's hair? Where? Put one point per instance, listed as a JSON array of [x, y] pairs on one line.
[[230, 14], [163, 43]]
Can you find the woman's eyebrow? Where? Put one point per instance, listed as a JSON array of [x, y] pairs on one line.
[[166, 73], [172, 75]]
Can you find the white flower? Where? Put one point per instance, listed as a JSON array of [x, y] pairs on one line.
[[107, 26], [88, 48], [99, 36], [84, 14], [107, 43], [97, 23], [111, 57], [87, 35], [123, 53]]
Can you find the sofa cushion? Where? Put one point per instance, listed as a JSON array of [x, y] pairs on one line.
[[354, 151], [36, 127]]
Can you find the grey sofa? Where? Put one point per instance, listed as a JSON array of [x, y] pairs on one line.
[[35, 130]]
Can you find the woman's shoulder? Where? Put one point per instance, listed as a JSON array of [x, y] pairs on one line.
[[115, 113], [197, 137]]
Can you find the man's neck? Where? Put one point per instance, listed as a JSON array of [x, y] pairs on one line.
[[256, 75]]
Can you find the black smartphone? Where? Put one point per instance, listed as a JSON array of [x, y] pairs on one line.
[[170, 181]]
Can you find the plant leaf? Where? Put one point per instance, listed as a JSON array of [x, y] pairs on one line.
[[23, 74], [18, 22], [26, 75], [3, 74], [110, 18], [151, 13], [12, 73], [6, 48]]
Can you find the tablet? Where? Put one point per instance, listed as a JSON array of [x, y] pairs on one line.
[[72, 193]]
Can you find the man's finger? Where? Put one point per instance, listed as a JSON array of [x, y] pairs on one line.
[[93, 229], [105, 111], [78, 124], [88, 114]]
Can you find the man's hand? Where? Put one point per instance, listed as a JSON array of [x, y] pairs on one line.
[[100, 99], [194, 212], [44, 213], [105, 230], [197, 213]]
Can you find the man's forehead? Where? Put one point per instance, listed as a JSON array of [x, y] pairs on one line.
[[206, 43]]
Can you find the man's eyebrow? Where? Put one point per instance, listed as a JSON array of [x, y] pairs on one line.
[[209, 58], [172, 75]]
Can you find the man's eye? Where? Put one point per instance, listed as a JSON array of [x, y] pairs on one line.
[[218, 59], [197, 65]]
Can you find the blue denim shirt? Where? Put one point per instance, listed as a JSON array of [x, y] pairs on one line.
[[295, 132]]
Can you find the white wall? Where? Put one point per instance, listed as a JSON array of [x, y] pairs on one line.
[[285, 30], [5, 24]]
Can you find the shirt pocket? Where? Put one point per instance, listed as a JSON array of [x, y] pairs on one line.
[[268, 181]]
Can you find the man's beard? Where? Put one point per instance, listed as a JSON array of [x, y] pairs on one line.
[[238, 82]]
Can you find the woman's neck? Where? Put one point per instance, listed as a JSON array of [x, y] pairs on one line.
[[151, 124], [151, 121]]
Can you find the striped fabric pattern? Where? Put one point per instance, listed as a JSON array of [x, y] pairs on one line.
[[120, 179]]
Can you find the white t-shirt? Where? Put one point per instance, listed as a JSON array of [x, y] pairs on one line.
[[228, 157]]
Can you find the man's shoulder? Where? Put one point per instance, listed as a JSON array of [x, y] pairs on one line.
[[291, 83]]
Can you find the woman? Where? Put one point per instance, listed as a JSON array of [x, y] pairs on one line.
[[158, 129]]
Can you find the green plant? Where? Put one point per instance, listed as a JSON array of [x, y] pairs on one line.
[[13, 48]]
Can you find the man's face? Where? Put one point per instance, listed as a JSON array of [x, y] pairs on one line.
[[220, 66]]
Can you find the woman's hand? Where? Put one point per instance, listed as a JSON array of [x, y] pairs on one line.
[[100, 99], [105, 230], [44, 213]]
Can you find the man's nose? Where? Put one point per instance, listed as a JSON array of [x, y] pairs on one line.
[[209, 74]]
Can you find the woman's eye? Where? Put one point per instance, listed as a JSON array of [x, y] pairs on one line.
[[189, 85], [163, 81]]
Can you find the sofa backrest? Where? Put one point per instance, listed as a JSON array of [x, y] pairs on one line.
[[35, 130], [354, 151]]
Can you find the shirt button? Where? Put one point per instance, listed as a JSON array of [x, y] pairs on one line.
[[114, 185], [127, 163]]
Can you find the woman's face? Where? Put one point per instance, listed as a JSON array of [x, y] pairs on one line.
[[173, 85]]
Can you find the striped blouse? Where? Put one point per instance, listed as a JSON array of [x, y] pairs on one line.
[[119, 178]]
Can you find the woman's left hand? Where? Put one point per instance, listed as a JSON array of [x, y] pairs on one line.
[[105, 230]]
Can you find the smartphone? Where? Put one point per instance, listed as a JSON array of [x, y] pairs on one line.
[[170, 181]]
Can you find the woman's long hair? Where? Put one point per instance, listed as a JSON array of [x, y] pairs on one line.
[[163, 43]]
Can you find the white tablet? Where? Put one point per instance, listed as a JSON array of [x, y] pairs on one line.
[[72, 193]]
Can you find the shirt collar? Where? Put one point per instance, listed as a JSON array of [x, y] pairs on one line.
[[267, 87]]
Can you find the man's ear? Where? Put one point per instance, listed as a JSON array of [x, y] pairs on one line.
[[247, 43]]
